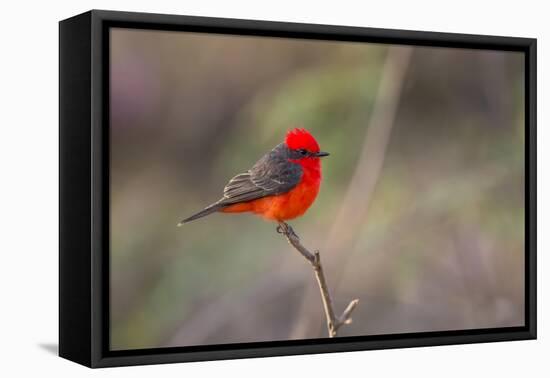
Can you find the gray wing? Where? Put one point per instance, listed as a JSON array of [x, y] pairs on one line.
[[273, 174]]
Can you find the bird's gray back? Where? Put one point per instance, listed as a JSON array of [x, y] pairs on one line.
[[271, 175]]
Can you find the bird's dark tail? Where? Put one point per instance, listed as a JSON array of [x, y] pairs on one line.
[[206, 211]]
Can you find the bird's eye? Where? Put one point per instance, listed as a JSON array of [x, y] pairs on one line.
[[302, 152]]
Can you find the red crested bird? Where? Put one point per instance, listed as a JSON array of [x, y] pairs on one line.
[[282, 185]]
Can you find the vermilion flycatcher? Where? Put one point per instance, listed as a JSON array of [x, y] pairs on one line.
[[281, 185]]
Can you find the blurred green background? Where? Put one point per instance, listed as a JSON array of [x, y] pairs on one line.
[[420, 213]]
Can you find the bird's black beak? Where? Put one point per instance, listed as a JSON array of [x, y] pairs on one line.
[[321, 154]]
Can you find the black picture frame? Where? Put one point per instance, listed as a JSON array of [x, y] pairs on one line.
[[84, 188]]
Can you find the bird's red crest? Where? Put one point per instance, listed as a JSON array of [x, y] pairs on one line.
[[301, 138]]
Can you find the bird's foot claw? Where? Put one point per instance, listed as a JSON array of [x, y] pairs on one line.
[[285, 229]]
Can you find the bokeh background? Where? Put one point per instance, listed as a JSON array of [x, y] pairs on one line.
[[420, 213]]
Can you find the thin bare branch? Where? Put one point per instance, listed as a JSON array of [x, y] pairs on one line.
[[333, 322]]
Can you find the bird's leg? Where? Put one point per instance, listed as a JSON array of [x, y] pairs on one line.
[[285, 229], [282, 228]]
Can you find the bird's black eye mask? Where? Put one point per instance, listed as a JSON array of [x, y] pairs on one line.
[[302, 153]]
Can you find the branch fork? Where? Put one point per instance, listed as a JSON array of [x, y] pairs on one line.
[[333, 322]]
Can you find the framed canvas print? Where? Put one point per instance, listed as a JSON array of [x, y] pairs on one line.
[[234, 188]]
